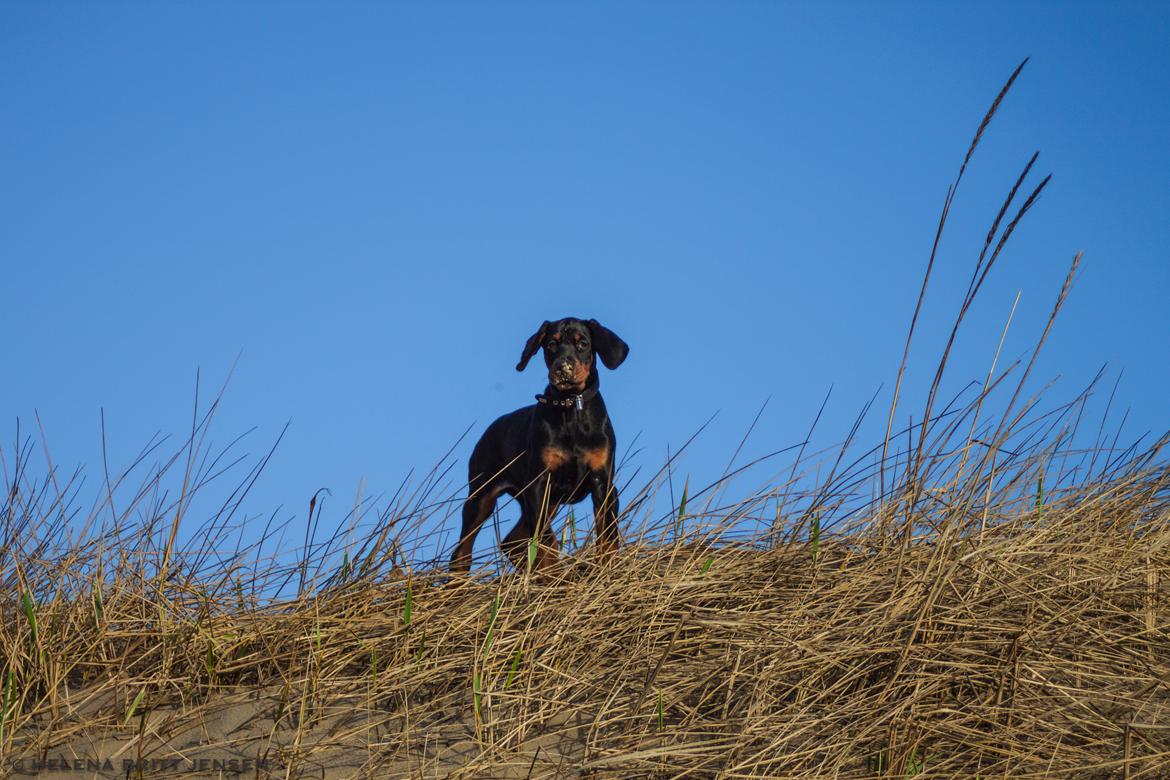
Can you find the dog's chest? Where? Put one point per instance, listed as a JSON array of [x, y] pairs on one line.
[[569, 461]]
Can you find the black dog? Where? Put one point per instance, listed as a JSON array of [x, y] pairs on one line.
[[554, 452]]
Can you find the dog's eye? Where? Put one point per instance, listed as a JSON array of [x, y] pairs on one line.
[[581, 345], [550, 345]]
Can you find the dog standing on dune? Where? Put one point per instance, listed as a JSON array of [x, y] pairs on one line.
[[556, 451]]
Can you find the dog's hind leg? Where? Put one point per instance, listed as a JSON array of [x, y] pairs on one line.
[[476, 509]]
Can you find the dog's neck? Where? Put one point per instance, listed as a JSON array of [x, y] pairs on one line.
[[570, 399]]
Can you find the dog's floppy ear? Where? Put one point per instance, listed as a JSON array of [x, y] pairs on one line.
[[534, 342], [607, 346]]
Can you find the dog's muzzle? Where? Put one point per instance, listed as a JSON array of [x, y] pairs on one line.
[[564, 375]]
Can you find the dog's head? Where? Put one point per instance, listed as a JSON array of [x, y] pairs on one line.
[[571, 348]]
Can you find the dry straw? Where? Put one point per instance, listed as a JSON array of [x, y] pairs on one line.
[[974, 597]]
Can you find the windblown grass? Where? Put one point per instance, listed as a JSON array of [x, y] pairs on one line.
[[975, 596], [1005, 637]]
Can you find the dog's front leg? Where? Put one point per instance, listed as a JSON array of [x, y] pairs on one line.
[[605, 513], [534, 531]]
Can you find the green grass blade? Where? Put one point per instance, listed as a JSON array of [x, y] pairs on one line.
[[515, 667], [1039, 493], [5, 701], [814, 535], [682, 509], [477, 692], [133, 706], [29, 608]]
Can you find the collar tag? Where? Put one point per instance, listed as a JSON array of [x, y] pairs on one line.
[[577, 402]]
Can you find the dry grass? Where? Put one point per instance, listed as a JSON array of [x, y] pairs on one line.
[[974, 597], [1000, 640]]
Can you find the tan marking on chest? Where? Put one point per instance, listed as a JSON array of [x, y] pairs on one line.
[[553, 457], [595, 459]]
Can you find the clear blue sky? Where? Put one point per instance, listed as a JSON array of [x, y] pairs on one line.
[[377, 203]]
